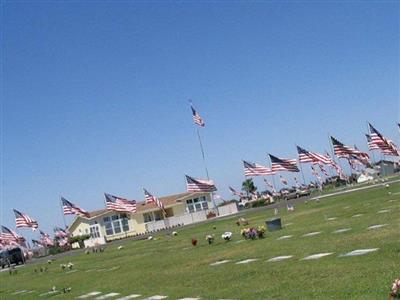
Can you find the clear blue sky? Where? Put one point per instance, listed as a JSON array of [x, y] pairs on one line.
[[95, 93]]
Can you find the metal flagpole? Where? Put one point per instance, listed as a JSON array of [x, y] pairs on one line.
[[273, 175], [202, 153], [62, 212]]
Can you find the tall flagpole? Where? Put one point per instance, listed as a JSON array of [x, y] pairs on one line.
[[62, 212], [202, 153], [273, 175]]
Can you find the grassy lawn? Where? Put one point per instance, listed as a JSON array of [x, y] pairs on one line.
[[172, 266]]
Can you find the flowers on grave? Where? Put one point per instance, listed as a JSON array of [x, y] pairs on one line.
[[194, 241], [252, 233], [120, 247], [227, 236], [63, 266], [261, 231], [70, 265], [150, 238], [174, 233], [49, 261], [395, 292], [210, 238], [242, 221]]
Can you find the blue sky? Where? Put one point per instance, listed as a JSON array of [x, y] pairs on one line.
[[95, 93]]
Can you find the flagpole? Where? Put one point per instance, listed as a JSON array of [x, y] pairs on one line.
[[62, 212], [273, 175], [202, 153], [333, 154]]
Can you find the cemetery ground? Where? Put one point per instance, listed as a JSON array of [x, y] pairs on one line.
[[170, 266]]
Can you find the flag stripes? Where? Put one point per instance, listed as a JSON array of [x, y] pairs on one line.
[[253, 169], [194, 185], [71, 209], [23, 220], [283, 164]]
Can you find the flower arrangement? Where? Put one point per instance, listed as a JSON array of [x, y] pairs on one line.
[[252, 233], [194, 241], [210, 238], [227, 236], [395, 292], [174, 233]]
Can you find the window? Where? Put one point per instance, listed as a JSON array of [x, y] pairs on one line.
[[94, 231], [148, 217], [153, 216], [115, 224], [197, 204]]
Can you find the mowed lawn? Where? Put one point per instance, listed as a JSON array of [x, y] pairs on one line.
[[171, 266]]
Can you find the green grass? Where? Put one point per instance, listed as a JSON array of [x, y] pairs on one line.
[[172, 266]]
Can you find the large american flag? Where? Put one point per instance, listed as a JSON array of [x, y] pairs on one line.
[[71, 209], [152, 199], [253, 169], [307, 156], [283, 164], [120, 204], [9, 236], [387, 146], [196, 117], [371, 145], [344, 151], [23, 220], [194, 185]]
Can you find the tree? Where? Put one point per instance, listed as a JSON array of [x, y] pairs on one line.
[[249, 187]]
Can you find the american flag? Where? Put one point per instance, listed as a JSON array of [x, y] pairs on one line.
[[71, 209], [60, 233], [45, 239], [270, 186], [314, 171], [120, 204], [283, 164], [37, 243], [9, 236], [344, 151], [235, 192], [321, 167], [152, 199], [307, 156], [23, 220], [371, 145], [63, 242], [387, 146], [283, 180], [194, 185], [253, 169], [196, 117]]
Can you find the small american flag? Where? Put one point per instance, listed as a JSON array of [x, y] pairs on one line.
[[60, 233], [270, 186], [283, 180], [321, 167], [151, 199], [235, 192], [199, 185], [196, 117], [71, 209], [371, 145], [283, 164], [253, 169], [120, 204], [23, 220], [45, 239]]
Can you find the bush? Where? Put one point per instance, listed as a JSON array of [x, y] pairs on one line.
[[79, 239]]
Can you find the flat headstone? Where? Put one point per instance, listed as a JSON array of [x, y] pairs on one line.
[[287, 224], [346, 207], [220, 262], [91, 294], [19, 292], [342, 230], [129, 297], [101, 270], [49, 293], [239, 241], [383, 211], [317, 256], [331, 219], [357, 215], [156, 297], [71, 271], [360, 252], [113, 268], [189, 299], [246, 261], [284, 237], [107, 296], [377, 226], [279, 258], [90, 270], [312, 233]]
